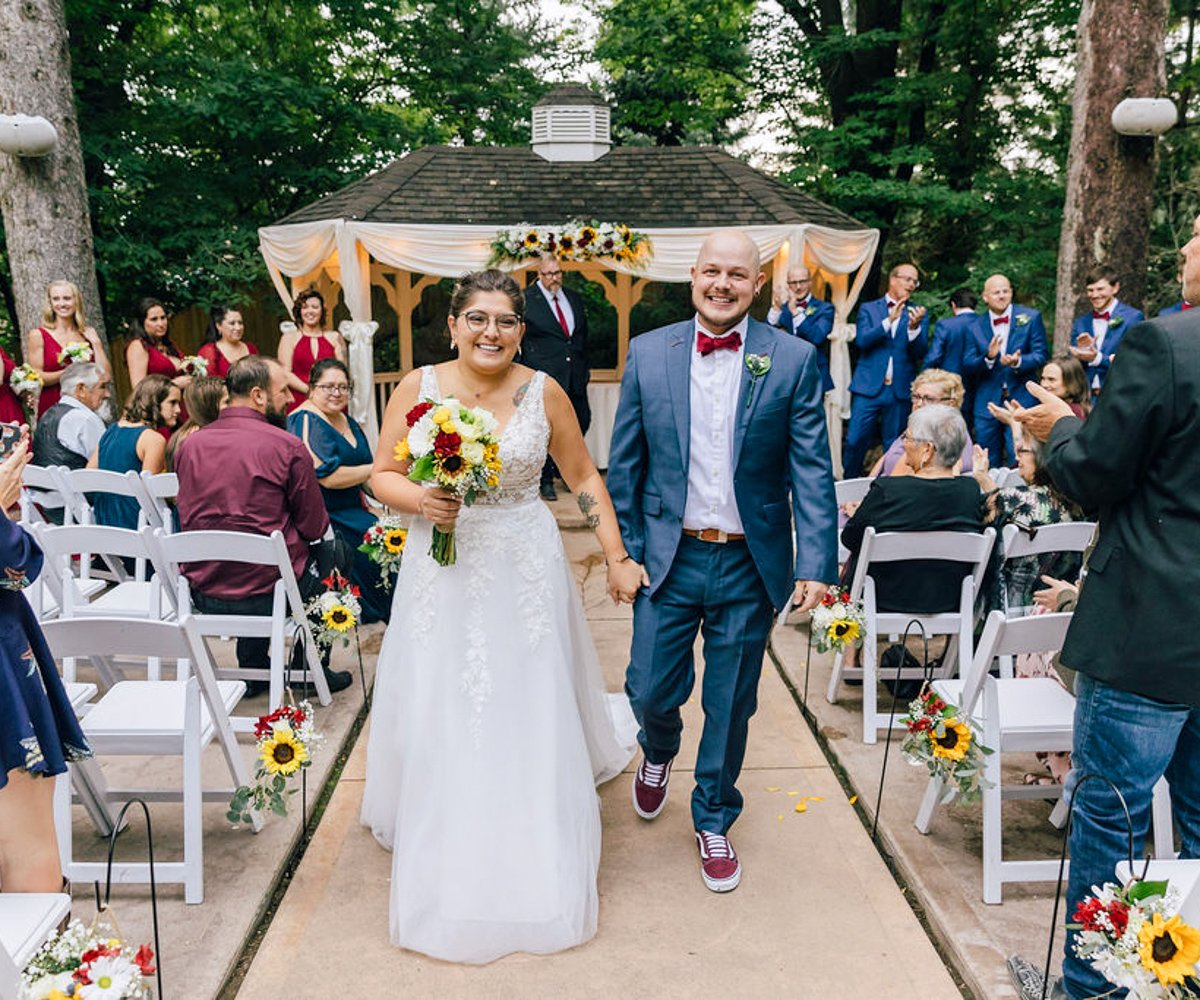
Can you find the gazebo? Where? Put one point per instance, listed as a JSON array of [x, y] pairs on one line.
[[435, 213]]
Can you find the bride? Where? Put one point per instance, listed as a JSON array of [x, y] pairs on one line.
[[490, 727]]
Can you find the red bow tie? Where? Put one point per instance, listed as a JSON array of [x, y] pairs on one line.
[[706, 344], [1187, 305], [1103, 315], [997, 320], [802, 304]]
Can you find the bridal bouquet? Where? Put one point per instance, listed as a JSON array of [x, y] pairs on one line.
[[194, 365], [837, 622], [83, 963], [75, 352], [285, 740], [945, 744], [454, 447], [25, 378], [383, 543], [1134, 938]]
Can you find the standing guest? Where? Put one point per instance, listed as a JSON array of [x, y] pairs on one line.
[[555, 342], [247, 473], [1095, 336], [1137, 700], [805, 316], [1008, 346], [203, 399], [342, 457], [39, 733], [951, 338], [932, 387], [134, 444], [719, 446], [223, 344], [63, 323], [150, 350], [308, 343], [892, 337], [1064, 376], [69, 431], [12, 411]]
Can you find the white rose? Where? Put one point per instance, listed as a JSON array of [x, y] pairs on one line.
[[420, 438], [468, 430], [485, 419], [472, 452]]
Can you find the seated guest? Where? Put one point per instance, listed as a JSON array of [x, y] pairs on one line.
[[933, 498], [134, 444], [203, 399], [68, 432], [247, 473], [342, 457], [1095, 336], [1032, 505], [1064, 376], [932, 387], [805, 316]]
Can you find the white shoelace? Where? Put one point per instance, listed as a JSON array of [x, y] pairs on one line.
[[715, 845], [655, 775]]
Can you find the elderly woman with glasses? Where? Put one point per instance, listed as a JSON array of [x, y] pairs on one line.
[[932, 386], [932, 498], [342, 457]]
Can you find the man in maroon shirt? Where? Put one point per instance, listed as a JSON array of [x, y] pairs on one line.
[[245, 472]]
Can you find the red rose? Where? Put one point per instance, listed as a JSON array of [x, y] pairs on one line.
[[446, 444], [144, 960], [417, 412], [1118, 913]]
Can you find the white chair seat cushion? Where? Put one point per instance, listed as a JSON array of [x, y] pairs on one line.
[[27, 919], [129, 598], [1027, 704], [148, 709]]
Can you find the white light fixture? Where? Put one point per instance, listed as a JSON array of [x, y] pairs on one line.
[[1144, 116], [25, 135]]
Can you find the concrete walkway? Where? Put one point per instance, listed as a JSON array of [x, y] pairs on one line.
[[817, 913]]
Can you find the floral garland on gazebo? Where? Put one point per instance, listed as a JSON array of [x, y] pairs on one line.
[[576, 241]]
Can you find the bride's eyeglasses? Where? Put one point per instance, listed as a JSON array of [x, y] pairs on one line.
[[477, 322]]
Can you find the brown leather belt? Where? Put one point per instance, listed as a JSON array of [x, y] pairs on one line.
[[714, 535]]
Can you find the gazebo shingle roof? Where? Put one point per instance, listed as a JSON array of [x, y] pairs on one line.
[[649, 187]]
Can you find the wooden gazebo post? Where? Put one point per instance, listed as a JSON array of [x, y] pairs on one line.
[[403, 293]]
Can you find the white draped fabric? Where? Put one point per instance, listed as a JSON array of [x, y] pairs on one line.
[[360, 360]]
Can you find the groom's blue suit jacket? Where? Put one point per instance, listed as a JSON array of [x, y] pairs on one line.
[[781, 458]]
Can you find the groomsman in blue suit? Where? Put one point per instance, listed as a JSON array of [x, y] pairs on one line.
[[804, 315], [719, 461], [951, 338], [1095, 336], [892, 336], [1008, 348]]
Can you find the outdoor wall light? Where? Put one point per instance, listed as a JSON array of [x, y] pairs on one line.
[[26, 135], [1144, 116]]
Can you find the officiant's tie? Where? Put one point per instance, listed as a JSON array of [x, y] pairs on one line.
[[562, 319]]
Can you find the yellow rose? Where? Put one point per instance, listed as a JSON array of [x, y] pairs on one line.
[[440, 415], [449, 427]]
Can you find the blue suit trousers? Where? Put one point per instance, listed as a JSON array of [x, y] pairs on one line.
[[865, 413], [716, 590]]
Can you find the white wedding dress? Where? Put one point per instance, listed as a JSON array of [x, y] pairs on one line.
[[490, 727]]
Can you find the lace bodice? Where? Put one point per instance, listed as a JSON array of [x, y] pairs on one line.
[[522, 442]]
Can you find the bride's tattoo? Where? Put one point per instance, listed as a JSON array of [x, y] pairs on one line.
[[587, 504], [520, 394]]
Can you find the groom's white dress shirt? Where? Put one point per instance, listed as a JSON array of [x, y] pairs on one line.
[[715, 380]]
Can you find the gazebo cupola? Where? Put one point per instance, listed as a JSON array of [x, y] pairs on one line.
[[571, 124]]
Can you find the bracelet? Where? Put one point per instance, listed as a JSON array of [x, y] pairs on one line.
[[625, 558]]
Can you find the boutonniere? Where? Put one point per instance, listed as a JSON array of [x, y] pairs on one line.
[[1023, 319], [810, 310], [1115, 322], [757, 365]]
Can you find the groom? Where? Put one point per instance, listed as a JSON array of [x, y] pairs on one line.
[[719, 443]]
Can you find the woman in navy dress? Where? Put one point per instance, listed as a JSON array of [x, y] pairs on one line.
[[38, 729], [342, 457]]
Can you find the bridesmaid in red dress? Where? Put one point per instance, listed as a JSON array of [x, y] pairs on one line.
[[63, 323], [11, 410], [308, 343], [151, 351], [223, 344]]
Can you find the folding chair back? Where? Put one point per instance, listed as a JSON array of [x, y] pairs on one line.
[[154, 492], [27, 919], [42, 486], [80, 482], [1010, 637], [852, 490], [1070, 536]]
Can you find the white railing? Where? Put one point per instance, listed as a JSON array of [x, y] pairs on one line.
[[385, 385]]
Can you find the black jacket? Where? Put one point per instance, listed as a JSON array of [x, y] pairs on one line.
[[546, 348], [1136, 460]]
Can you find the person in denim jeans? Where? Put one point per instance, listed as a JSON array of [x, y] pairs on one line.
[[1133, 639]]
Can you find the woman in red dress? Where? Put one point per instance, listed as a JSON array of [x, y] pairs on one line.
[[309, 342], [63, 323], [223, 344], [11, 410], [150, 350]]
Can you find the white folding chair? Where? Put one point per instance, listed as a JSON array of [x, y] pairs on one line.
[[42, 488], [155, 491], [27, 920], [972, 550], [154, 719], [1184, 877], [1070, 536], [170, 553], [850, 491]]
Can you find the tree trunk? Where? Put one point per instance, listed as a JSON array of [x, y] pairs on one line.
[[47, 227], [1110, 178]]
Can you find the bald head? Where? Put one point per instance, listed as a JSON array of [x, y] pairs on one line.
[[997, 293], [728, 244], [725, 279]]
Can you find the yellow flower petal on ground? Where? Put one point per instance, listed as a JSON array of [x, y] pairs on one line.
[[282, 753], [1169, 948], [801, 806], [954, 741], [780, 816], [816, 798], [793, 793], [772, 788], [853, 799]]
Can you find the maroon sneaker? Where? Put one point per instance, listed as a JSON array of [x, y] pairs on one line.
[[719, 864], [650, 788]]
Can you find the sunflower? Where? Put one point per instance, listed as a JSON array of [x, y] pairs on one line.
[[954, 741], [394, 540], [843, 630], [531, 238], [402, 453], [1169, 948], [282, 753], [339, 618]]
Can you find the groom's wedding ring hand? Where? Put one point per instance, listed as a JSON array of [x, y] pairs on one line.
[[439, 507], [808, 594], [624, 580]]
